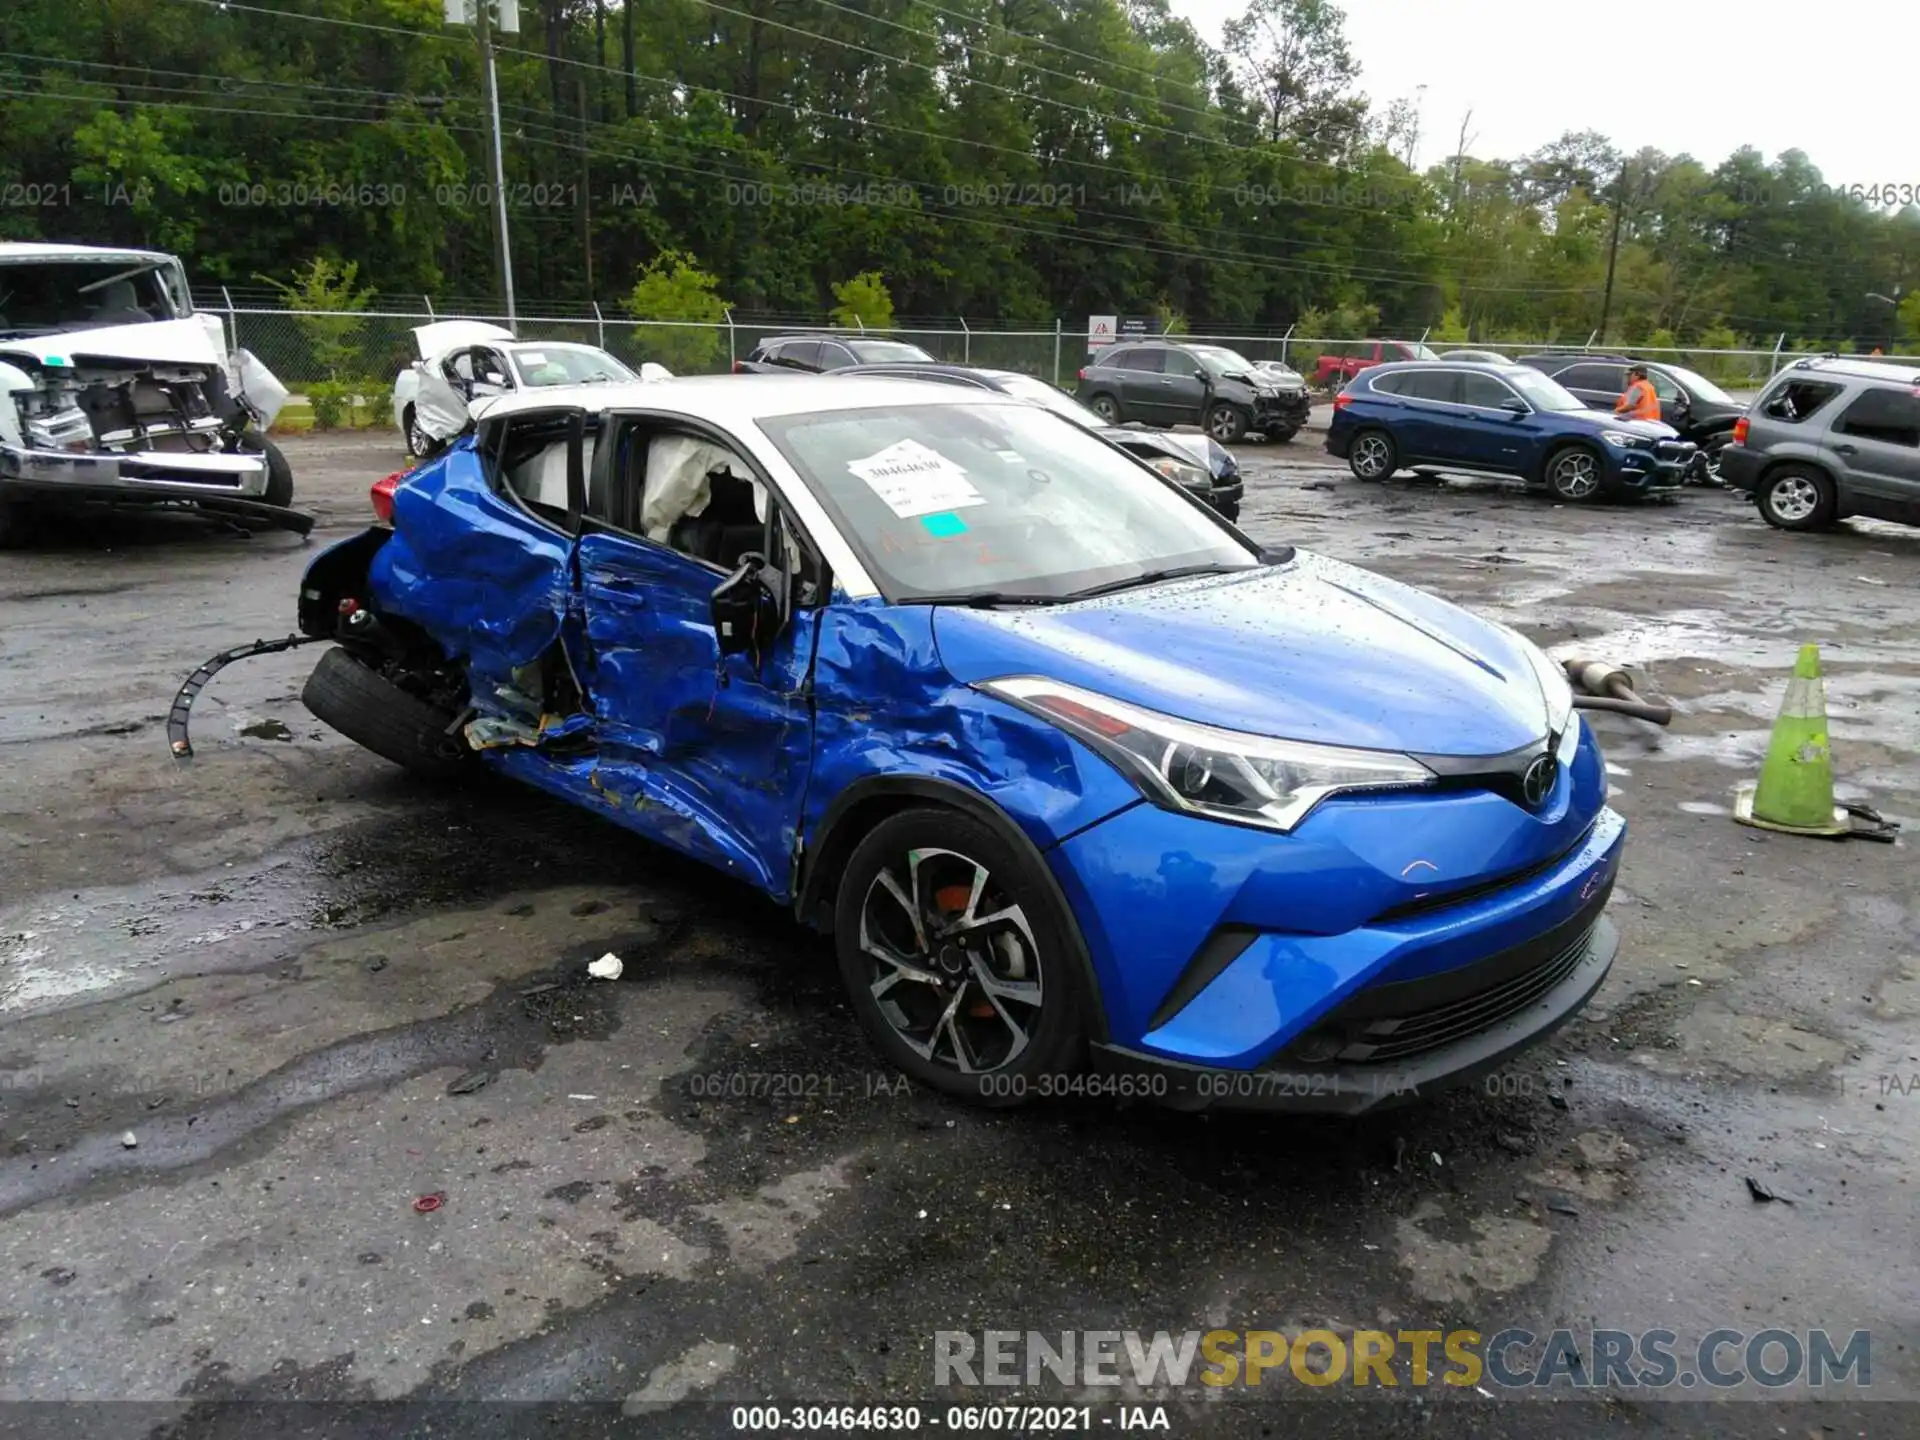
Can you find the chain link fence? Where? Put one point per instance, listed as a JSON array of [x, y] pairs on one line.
[[368, 348]]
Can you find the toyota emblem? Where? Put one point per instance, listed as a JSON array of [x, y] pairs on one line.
[[1537, 784]]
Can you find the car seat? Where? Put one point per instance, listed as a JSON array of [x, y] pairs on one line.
[[119, 305], [726, 528]]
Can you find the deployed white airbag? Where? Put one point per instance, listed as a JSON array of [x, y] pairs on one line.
[[676, 483]]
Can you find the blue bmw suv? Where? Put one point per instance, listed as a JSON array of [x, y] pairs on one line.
[[1499, 420]]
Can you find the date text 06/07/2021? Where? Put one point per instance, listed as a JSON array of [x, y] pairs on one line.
[[958, 1419]]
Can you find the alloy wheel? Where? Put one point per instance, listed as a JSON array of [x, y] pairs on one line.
[[1370, 457], [1104, 407], [1223, 425], [1576, 475], [953, 964], [417, 439], [1793, 498]]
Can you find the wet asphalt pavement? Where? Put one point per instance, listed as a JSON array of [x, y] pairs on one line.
[[394, 1152]]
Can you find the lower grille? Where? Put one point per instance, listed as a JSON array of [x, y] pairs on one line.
[[1380, 1038]]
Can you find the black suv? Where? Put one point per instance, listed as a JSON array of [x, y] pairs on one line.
[[815, 353], [1692, 404], [1207, 385]]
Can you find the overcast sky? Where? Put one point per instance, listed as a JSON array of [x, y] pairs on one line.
[[1831, 79]]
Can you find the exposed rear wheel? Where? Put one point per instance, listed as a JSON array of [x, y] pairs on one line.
[[958, 958], [372, 711], [1373, 455], [419, 444], [1106, 407], [1795, 497]]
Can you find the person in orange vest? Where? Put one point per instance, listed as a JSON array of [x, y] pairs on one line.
[[1639, 402]]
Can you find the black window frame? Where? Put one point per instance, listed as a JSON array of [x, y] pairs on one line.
[[1444, 378], [1498, 381], [1833, 389]]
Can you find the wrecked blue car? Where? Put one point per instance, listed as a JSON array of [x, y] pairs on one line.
[[1094, 794]]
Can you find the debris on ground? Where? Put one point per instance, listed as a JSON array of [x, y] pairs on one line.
[[130, 1140], [1512, 1144], [468, 1083], [1561, 1205], [1762, 1194], [607, 967], [427, 1204]]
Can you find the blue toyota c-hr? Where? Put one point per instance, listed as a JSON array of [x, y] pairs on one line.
[[1093, 793], [1500, 420]]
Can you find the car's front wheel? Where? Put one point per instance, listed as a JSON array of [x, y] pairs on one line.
[[1373, 455], [1797, 497], [1281, 434], [959, 957], [1227, 424], [1573, 475]]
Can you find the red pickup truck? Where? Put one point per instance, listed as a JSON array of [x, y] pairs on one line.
[[1344, 361]]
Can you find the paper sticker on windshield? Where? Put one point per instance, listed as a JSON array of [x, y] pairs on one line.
[[533, 357], [914, 480]]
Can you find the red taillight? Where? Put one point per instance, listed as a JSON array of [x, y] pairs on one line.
[[382, 496], [1342, 400], [1083, 374], [739, 367], [1740, 431]]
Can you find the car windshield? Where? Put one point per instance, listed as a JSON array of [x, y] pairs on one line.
[[997, 503], [542, 365], [43, 297], [1540, 392], [1702, 387], [880, 352], [1221, 361], [1025, 387]]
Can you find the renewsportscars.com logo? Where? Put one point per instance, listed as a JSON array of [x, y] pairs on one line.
[[1510, 1359]]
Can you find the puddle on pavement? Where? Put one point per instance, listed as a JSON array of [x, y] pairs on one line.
[[264, 730], [65, 945]]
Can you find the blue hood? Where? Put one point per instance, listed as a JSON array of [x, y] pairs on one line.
[[1311, 650]]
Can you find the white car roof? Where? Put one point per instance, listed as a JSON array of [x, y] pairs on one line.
[[17, 252], [732, 399]]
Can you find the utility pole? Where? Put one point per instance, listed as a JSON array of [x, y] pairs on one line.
[[461, 12], [1613, 250]]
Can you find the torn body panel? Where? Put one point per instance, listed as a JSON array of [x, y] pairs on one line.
[[685, 738], [488, 582], [887, 707]]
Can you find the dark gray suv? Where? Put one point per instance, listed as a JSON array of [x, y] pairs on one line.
[[1160, 383], [1830, 438]]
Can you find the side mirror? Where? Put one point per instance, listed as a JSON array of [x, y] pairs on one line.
[[745, 610], [1516, 407]]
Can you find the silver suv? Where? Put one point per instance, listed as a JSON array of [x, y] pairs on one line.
[[1831, 438]]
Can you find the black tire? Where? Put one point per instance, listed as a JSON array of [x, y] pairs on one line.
[[372, 711], [1227, 423], [1797, 497], [1107, 407], [1281, 436], [420, 445], [1573, 474], [1372, 455], [907, 1019], [279, 475]]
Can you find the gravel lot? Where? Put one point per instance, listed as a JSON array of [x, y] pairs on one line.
[[697, 1184]]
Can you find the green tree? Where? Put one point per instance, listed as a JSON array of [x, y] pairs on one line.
[[673, 288], [863, 301]]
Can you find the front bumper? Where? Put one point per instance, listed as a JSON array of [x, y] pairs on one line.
[[1566, 981], [225, 484], [1647, 472], [1286, 411], [1226, 495]]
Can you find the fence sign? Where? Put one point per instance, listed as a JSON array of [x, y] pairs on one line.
[[1101, 330]]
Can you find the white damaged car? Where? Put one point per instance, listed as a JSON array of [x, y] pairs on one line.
[[463, 362], [112, 389]]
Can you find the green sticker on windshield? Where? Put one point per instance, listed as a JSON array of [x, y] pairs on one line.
[[944, 525]]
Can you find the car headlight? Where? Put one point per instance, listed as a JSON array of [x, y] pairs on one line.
[[1221, 774], [1265, 392], [1182, 472], [1621, 440]]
